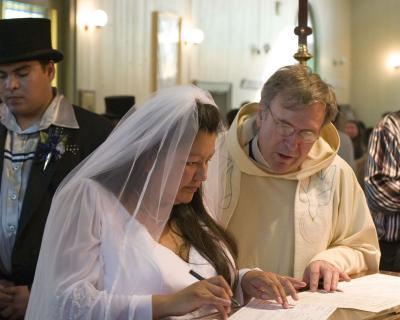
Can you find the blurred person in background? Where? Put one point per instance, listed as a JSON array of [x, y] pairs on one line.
[[382, 187], [355, 130]]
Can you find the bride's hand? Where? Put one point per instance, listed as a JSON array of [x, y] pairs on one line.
[[214, 291], [269, 285]]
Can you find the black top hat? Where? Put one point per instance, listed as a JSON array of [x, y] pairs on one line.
[[25, 39], [117, 106]]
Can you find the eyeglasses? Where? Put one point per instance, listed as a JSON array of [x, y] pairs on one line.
[[286, 130]]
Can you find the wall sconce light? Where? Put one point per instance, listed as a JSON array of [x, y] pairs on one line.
[[95, 19], [192, 35], [394, 61]]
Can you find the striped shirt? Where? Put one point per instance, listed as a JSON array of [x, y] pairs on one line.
[[19, 153], [382, 178]]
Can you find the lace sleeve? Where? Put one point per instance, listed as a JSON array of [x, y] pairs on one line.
[[69, 279]]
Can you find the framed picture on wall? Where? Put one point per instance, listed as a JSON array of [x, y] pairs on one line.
[[166, 42], [87, 100]]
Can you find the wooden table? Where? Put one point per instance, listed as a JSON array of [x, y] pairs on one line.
[[351, 314]]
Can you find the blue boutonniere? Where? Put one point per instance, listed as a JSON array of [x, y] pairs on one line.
[[52, 145]]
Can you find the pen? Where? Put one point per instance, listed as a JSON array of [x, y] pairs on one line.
[[199, 277]]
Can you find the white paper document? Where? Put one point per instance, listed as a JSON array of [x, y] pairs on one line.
[[260, 310], [373, 293]]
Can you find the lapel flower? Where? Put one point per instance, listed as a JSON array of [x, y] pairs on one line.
[[52, 145]]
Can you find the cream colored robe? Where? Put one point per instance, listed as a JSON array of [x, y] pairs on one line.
[[324, 212]]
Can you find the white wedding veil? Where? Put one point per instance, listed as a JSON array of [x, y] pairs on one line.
[[132, 177]]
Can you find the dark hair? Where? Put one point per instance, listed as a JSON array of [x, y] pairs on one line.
[[190, 221], [44, 63], [209, 118], [340, 120], [359, 140], [230, 116], [193, 223], [367, 135], [198, 229]]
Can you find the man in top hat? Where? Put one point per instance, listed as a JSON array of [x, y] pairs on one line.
[[42, 138]]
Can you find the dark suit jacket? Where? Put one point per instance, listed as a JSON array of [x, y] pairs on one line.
[[93, 130]]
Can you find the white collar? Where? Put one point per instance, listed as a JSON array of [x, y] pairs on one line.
[[59, 113]]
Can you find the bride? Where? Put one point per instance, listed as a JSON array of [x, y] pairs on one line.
[[129, 232]]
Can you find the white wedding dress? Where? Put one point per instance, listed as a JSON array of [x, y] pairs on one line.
[[94, 281], [100, 261]]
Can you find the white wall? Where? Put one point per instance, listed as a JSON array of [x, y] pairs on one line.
[[375, 36], [334, 38], [232, 27], [117, 58]]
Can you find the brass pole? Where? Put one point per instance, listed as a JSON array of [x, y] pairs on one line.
[[302, 31], [302, 55]]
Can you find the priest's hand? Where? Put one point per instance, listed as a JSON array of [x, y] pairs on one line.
[[327, 272], [269, 285]]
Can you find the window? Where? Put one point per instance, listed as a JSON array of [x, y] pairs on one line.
[[16, 9]]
